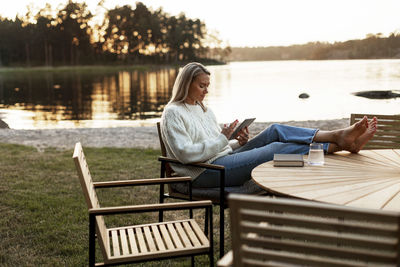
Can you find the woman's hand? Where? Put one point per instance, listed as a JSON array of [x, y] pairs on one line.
[[243, 136], [228, 130]]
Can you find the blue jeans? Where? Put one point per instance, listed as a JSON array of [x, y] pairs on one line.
[[277, 138]]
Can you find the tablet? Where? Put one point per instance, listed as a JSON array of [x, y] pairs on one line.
[[244, 124]]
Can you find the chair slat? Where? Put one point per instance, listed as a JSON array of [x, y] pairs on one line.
[[256, 257], [191, 234], [166, 237], [199, 233], [174, 236], [388, 124], [115, 243], [183, 236], [310, 234], [132, 241], [260, 263], [321, 209], [141, 243], [149, 239], [124, 242], [358, 116], [387, 138], [157, 237], [89, 193], [325, 223], [321, 250]]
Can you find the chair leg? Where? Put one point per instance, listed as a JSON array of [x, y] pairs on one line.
[[92, 240], [206, 223], [190, 199], [162, 175], [211, 237], [221, 213], [192, 261], [221, 230]]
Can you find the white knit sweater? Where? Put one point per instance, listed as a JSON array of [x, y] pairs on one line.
[[192, 135]]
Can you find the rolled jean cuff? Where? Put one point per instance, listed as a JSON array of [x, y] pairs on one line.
[[325, 145]]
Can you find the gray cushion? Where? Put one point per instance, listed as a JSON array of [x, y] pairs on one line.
[[248, 187]]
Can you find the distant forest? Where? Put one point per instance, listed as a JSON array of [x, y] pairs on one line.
[[69, 36], [127, 35], [372, 47]]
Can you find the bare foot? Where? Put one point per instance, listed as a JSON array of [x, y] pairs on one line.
[[366, 136], [345, 138]]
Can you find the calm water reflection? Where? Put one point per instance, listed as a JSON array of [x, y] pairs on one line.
[[70, 98], [269, 90], [266, 90]]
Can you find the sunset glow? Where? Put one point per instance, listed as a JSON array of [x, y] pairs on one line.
[[265, 23]]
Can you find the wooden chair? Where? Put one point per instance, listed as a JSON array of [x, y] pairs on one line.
[[387, 134], [216, 195], [288, 232], [145, 242]]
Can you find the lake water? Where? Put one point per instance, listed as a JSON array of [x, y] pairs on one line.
[[267, 90]]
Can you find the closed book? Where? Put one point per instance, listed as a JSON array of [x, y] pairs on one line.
[[288, 160]]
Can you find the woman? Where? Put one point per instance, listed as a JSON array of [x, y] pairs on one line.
[[191, 134]]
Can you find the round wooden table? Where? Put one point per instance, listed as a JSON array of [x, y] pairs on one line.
[[369, 179]]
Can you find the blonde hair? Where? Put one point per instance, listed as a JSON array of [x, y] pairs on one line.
[[182, 82]]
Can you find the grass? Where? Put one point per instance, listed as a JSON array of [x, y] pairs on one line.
[[44, 218]]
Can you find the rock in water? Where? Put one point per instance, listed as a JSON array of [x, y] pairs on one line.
[[304, 95], [378, 94], [3, 125]]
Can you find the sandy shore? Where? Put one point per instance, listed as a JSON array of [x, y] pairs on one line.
[[139, 137]]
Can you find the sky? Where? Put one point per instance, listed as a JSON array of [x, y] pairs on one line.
[[265, 22]]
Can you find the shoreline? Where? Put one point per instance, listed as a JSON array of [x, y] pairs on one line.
[[125, 137]]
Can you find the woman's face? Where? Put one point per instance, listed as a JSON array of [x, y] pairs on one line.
[[198, 89]]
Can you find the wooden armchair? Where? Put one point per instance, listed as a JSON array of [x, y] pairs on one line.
[[387, 134], [289, 232], [145, 242], [216, 195]]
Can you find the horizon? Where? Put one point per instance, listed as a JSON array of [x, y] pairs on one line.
[[265, 24]]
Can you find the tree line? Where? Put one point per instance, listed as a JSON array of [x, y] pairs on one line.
[[372, 47], [127, 35]]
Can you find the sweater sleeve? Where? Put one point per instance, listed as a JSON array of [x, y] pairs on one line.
[[181, 144], [234, 144]]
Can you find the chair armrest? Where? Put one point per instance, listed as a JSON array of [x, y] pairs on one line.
[[199, 164], [139, 182], [151, 207], [226, 260]]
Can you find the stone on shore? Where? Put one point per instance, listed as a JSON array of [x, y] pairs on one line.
[[3, 125]]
